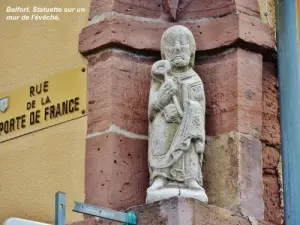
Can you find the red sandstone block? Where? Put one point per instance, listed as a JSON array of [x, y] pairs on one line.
[[206, 8], [215, 33], [273, 209], [152, 9], [137, 34], [118, 89], [232, 83], [116, 171], [271, 158], [249, 7], [220, 85], [249, 89], [200, 9], [186, 9], [98, 7], [271, 125], [254, 31], [146, 35]]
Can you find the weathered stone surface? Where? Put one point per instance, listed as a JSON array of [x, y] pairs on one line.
[[271, 126], [152, 9], [145, 35], [116, 171], [273, 209], [271, 136], [272, 198], [232, 173], [195, 10], [232, 83], [249, 89], [254, 31], [186, 9], [271, 158], [219, 75], [118, 89], [178, 211], [189, 9], [249, 7]]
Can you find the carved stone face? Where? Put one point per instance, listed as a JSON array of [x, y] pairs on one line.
[[177, 49]]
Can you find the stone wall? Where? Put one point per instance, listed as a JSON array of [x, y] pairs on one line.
[[272, 169], [271, 146], [235, 60]]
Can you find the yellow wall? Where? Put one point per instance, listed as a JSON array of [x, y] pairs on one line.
[[267, 11], [35, 166]]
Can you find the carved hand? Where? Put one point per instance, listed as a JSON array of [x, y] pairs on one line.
[[167, 90], [171, 113]]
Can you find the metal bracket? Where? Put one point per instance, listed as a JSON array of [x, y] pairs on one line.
[[129, 218], [60, 208]]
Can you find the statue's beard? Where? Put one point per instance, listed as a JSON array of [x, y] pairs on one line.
[[179, 63]]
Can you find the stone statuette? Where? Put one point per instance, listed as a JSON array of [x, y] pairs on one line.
[[176, 120]]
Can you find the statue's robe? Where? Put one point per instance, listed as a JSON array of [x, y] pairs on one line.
[[174, 150]]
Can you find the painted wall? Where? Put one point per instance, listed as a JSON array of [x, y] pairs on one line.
[[35, 166], [267, 12]]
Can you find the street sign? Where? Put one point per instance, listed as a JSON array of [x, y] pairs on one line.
[[44, 103]]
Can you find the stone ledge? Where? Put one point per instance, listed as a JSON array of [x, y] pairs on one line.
[[233, 29], [179, 211]]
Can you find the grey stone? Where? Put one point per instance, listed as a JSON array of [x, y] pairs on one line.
[[176, 120]]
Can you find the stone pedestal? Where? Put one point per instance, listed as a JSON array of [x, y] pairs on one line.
[[170, 192]]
